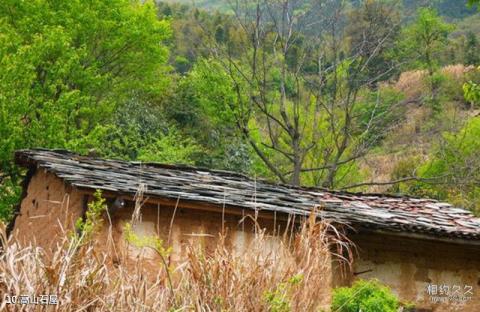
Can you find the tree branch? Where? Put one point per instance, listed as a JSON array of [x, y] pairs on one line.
[[406, 179]]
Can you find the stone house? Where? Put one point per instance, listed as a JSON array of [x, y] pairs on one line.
[[419, 247]]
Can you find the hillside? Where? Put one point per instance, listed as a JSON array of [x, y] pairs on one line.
[[451, 9], [194, 155], [411, 141], [365, 97]]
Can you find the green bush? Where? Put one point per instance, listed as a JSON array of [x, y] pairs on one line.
[[471, 88], [471, 92], [9, 197], [278, 299], [447, 163], [365, 296]]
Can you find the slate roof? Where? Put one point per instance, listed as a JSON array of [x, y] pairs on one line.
[[367, 211]]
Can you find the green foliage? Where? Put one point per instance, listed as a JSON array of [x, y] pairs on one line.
[[278, 299], [153, 242], [372, 22], [449, 89], [433, 98], [93, 218], [456, 181], [10, 197], [203, 110], [471, 91], [472, 3], [450, 9], [403, 169], [365, 296], [472, 47], [170, 148], [380, 110], [67, 66], [425, 39]]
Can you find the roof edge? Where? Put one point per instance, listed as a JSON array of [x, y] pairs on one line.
[[425, 237]]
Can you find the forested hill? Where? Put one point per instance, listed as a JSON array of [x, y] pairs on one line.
[[452, 9], [371, 96]]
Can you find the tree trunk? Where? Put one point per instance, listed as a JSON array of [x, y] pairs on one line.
[[297, 167], [297, 160]]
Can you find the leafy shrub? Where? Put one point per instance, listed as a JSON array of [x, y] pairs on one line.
[[9, 196], [172, 148], [454, 76], [471, 92], [278, 299], [380, 110], [366, 296], [471, 87], [85, 229], [448, 163]]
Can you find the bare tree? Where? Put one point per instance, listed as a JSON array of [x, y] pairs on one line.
[[298, 85]]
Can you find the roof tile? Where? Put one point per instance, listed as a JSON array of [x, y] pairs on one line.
[[372, 211]]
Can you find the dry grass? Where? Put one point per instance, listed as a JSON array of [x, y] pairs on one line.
[[457, 71], [413, 85], [293, 274]]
